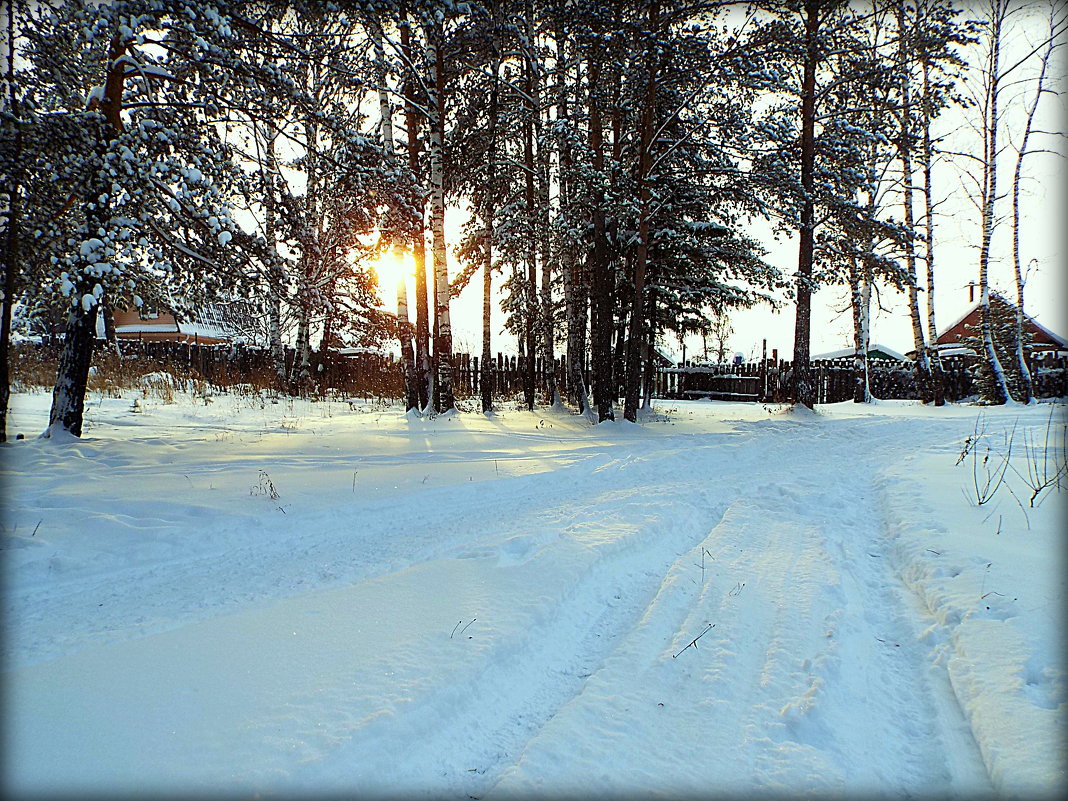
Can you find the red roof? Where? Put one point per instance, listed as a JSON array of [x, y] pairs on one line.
[[969, 323]]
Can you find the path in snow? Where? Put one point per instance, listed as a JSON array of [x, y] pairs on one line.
[[332, 659]]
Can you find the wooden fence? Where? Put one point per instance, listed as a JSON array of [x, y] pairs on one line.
[[225, 367], [834, 380]]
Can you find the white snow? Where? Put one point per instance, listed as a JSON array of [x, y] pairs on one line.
[[230, 595]]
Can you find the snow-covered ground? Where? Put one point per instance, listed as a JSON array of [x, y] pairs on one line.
[[295, 598]]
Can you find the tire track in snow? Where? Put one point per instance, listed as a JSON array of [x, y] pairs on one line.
[[468, 734], [814, 678]]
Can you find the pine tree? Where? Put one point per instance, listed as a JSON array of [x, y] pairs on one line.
[[148, 176]]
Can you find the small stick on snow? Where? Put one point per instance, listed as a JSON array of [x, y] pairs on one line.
[[693, 642], [458, 622], [468, 625]]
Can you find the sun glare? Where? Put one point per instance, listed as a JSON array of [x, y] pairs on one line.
[[392, 267]]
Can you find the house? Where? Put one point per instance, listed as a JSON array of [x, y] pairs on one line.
[[953, 339], [875, 351], [216, 324]]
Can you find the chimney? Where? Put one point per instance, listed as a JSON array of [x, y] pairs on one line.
[[971, 291]]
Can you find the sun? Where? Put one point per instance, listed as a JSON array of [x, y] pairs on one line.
[[392, 267]]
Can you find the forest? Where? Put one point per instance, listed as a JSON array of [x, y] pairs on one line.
[[607, 162]]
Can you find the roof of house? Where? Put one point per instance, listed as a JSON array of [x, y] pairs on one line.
[[995, 296], [223, 322]]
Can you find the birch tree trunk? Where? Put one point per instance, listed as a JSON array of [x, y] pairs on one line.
[[995, 391], [927, 157], [860, 300], [442, 321], [12, 201], [1025, 386], [385, 107]]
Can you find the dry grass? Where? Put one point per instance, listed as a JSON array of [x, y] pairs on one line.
[[165, 372]]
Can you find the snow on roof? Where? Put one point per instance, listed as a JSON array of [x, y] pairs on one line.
[[954, 349], [845, 353], [359, 350], [146, 328], [202, 330]]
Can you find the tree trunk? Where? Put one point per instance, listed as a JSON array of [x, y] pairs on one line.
[[276, 279], [635, 335], [1025, 387], [442, 320], [996, 388], [904, 149], [649, 380], [576, 292], [385, 117], [311, 257], [422, 310], [10, 237], [803, 388], [530, 300], [860, 296], [72, 374], [545, 313], [404, 333], [938, 378], [385, 108], [10, 265], [600, 263], [486, 377], [485, 384]]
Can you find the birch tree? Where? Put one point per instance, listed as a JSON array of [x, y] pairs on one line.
[[1054, 39]]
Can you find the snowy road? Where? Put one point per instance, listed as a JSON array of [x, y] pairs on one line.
[[626, 611]]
